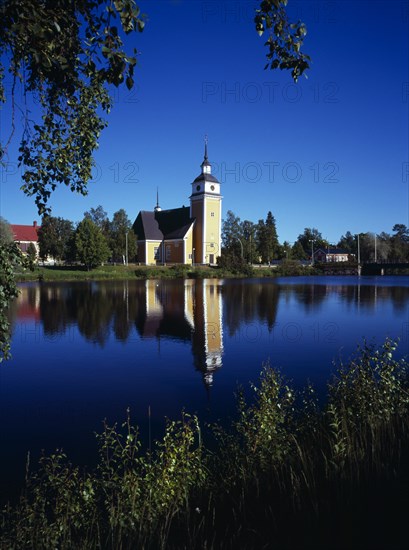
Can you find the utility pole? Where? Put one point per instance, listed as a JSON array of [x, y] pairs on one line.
[[359, 252], [359, 258]]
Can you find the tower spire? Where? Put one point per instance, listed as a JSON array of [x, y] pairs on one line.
[[206, 166]]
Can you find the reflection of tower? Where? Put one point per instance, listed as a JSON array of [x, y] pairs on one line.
[[207, 337], [153, 303]]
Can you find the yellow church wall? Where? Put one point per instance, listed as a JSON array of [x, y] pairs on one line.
[[212, 228], [150, 249], [188, 258]]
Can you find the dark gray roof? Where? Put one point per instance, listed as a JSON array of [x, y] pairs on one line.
[[164, 224], [206, 177], [331, 251]]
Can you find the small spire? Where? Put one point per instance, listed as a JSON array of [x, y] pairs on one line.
[[157, 207], [205, 153]]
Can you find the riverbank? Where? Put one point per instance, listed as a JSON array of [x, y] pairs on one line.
[[286, 472], [120, 272], [109, 272]]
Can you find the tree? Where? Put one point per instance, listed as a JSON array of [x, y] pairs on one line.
[[249, 232], [400, 243], [100, 218], [10, 257], [286, 250], [383, 246], [232, 236], [311, 238], [367, 247], [91, 246], [6, 233], [32, 253], [54, 236], [120, 233], [65, 55], [348, 243], [268, 245], [285, 39], [298, 252]]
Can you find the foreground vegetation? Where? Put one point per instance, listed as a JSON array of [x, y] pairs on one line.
[[287, 473]]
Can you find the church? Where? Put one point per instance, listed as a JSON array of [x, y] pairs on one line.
[[186, 235]]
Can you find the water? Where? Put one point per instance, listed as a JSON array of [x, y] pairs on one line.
[[83, 352]]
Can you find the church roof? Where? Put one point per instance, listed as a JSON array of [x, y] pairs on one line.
[[163, 224]]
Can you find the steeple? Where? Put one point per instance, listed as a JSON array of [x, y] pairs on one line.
[[206, 166], [157, 207]]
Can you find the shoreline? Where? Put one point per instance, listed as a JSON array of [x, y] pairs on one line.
[[120, 272]]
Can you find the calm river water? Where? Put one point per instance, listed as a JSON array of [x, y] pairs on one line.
[[83, 352]]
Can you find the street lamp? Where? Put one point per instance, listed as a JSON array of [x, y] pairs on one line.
[[193, 256], [126, 248]]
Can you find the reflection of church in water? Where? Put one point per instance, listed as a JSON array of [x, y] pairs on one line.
[[188, 312]]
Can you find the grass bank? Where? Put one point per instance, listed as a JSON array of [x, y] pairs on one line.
[[120, 272], [286, 474]]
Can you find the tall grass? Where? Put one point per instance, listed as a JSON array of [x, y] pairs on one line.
[[287, 473]]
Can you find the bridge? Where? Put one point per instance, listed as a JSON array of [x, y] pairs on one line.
[[384, 268], [366, 268]]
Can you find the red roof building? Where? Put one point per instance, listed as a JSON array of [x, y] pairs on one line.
[[25, 234]]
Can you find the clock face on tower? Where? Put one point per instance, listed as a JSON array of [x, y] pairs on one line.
[[212, 187]]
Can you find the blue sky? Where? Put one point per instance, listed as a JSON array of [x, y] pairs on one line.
[[330, 152]]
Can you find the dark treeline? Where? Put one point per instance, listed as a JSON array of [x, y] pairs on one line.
[[258, 242], [90, 242]]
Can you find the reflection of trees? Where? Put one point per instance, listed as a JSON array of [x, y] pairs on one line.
[[369, 296], [311, 297], [95, 308], [94, 313], [57, 308], [245, 301], [98, 308], [400, 297]]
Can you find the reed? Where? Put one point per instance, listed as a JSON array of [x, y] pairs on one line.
[[286, 473]]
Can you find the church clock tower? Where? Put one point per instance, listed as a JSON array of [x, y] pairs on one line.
[[206, 208]]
